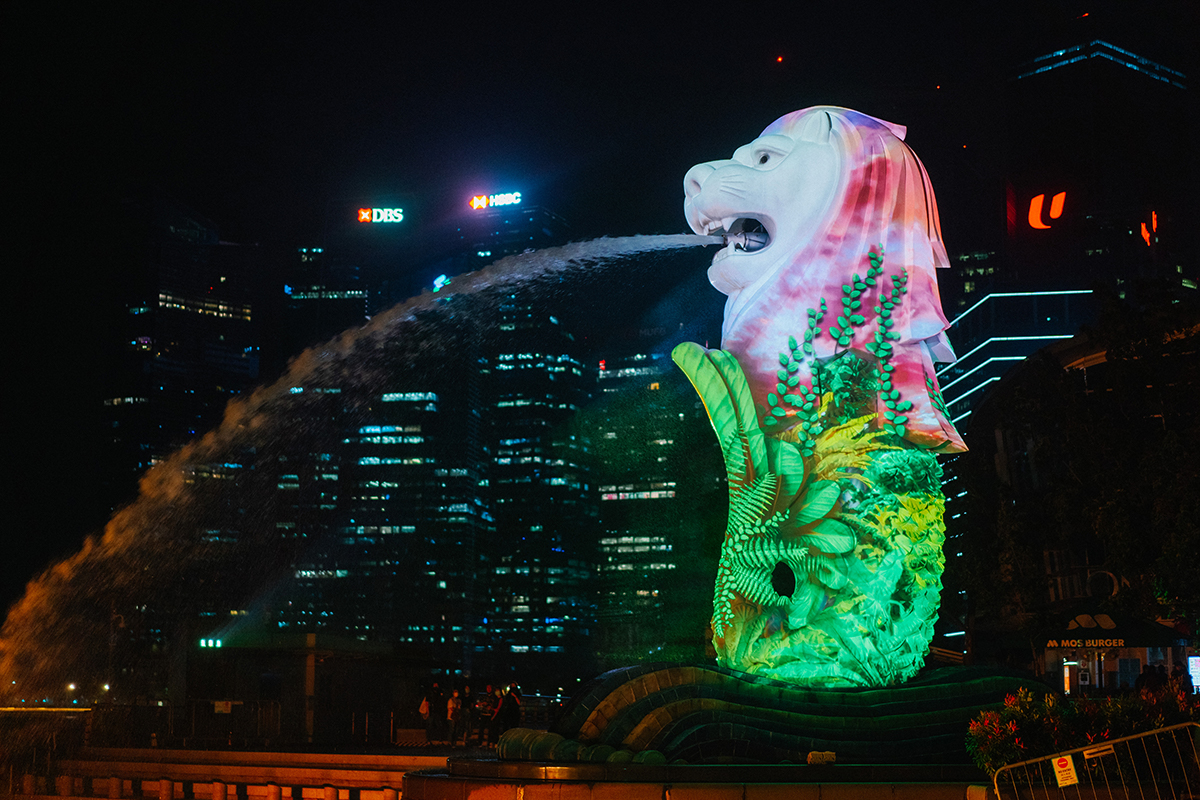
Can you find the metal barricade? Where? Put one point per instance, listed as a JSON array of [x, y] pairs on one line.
[[1158, 764]]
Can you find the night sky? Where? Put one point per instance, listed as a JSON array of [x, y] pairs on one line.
[[264, 116]]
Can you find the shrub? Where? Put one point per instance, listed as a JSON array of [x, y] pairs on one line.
[[1030, 726]]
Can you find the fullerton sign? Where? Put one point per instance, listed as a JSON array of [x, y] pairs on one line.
[[381, 215], [489, 200]]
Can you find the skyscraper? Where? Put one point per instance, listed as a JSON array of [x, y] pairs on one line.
[[462, 493], [397, 559], [190, 340], [504, 224], [324, 295], [1096, 180], [540, 607], [659, 470]]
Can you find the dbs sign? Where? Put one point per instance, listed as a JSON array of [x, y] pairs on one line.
[[381, 215], [1035, 210]]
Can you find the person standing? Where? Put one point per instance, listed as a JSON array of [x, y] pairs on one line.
[[485, 708], [453, 718], [1161, 679], [1181, 679], [1145, 681], [433, 704], [468, 715], [496, 721], [510, 708]]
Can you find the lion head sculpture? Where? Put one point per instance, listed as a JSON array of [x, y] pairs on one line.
[[825, 399], [802, 206]]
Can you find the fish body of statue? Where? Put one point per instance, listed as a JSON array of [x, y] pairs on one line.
[[825, 399]]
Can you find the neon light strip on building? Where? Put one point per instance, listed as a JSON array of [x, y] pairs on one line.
[[1098, 48], [983, 300], [967, 374], [986, 342], [972, 391]]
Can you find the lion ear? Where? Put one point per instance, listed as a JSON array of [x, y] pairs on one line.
[[898, 130], [815, 128]]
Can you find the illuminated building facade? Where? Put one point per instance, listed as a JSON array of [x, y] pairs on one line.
[[414, 516], [189, 337], [640, 507], [412, 554], [324, 295], [539, 608], [309, 495], [396, 509], [1001, 329], [1083, 210], [1084, 538], [1099, 187], [505, 224], [651, 439], [1097, 177], [1097, 190]]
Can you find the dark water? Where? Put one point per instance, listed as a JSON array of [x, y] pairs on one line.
[[191, 528]]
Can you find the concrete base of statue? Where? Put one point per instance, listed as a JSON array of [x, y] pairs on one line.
[[680, 731], [668, 714]]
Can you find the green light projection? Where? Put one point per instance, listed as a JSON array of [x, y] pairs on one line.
[[825, 399], [830, 572]]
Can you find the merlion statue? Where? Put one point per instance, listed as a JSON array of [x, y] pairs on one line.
[[825, 399], [827, 407]]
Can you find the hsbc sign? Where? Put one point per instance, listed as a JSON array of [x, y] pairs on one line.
[[381, 215], [491, 200]]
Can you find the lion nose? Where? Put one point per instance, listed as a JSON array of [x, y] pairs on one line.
[[693, 181]]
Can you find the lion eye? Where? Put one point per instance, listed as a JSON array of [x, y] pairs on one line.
[[764, 158]]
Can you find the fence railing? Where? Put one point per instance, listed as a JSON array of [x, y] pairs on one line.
[[155, 774], [1162, 763]]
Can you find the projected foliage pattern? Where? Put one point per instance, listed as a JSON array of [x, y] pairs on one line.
[[825, 398], [831, 567]]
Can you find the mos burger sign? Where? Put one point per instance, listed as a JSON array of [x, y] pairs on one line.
[[381, 215]]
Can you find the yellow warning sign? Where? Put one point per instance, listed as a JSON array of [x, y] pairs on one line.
[[1064, 771]]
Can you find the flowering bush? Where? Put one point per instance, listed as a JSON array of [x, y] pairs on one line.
[[1030, 726]]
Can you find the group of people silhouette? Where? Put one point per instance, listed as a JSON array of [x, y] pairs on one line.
[[463, 717], [1155, 680]]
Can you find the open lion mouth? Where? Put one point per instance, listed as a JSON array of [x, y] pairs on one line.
[[742, 235]]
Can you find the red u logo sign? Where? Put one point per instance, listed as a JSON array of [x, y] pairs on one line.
[[1035, 209]]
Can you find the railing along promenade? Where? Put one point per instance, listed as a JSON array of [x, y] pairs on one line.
[[134, 774]]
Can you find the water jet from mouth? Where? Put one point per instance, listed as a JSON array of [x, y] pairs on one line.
[[66, 621]]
